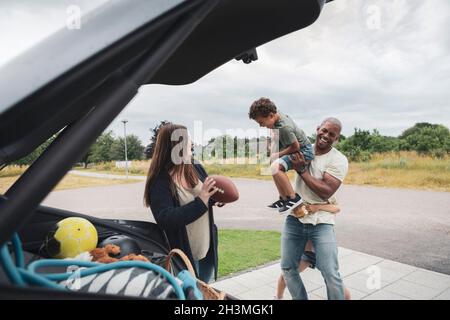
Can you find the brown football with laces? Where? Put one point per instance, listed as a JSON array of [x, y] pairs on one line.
[[227, 189]]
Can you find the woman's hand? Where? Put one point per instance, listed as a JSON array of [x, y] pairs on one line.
[[311, 208], [207, 190]]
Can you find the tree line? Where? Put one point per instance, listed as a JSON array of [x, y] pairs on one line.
[[107, 147], [424, 138]]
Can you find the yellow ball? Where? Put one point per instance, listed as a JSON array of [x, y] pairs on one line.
[[71, 237]]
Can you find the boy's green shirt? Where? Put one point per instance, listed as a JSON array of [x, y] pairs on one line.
[[288, 132]]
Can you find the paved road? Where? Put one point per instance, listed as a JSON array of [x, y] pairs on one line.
[[407, 226]]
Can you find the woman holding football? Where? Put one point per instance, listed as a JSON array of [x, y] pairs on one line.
[[178, 192]]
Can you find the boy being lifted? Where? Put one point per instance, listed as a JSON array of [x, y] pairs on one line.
[[287, 138]]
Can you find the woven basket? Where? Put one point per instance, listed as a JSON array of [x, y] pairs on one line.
[[209, 293]]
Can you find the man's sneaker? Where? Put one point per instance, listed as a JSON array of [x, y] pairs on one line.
[[277, 204], [290, 204]]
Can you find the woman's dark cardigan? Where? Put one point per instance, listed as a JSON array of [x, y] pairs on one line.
[[173, 218]]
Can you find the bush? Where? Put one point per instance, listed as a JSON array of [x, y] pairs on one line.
[[439, 153], [432, 139], [357, 155], [363, 143]]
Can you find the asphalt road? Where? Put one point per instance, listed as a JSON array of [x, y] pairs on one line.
[[407, 226]]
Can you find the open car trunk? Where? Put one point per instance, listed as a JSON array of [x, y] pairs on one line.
[[77, 94], [150, 238]]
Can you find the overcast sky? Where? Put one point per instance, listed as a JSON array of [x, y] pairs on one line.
[[373, 64]]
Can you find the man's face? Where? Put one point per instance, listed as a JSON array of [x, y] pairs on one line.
[[327, 134], [266, 122]]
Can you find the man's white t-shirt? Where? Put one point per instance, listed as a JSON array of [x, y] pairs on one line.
[[333, 163]]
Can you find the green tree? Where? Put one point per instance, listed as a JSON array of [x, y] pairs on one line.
[[379, 143], [150, 148], [356, 147], [247, 147], [416, 128], [434, 140], [101, 150], [361, 145], [87, 158], [135, 149]]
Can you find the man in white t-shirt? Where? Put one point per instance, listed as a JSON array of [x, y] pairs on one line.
[[316, 183]]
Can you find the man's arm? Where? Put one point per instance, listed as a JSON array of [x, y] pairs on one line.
[[294, 147], [324, 187], [331, 208]]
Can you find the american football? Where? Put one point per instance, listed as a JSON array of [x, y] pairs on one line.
[[227, 189]]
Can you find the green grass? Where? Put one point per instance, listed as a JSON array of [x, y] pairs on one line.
[[402, 170], [69, 182], [406, 161], [244, 249], [235, 170], [137, 168]]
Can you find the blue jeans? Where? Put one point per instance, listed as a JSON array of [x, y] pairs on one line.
[[293, 240], [205, 267], [308, 154]]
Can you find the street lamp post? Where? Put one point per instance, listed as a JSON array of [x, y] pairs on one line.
[[126, 154]]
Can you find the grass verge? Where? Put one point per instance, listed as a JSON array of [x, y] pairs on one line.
[[69, 182], [244, 249], [402, 170]]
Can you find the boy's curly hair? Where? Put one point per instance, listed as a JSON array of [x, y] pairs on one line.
[[261, 108]]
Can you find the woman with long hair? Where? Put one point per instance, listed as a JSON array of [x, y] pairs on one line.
[[178, 192]]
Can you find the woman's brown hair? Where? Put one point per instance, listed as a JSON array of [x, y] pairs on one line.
[[170, 136]]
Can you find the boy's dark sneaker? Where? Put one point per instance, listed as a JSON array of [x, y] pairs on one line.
[[277, 204], [290, 204]]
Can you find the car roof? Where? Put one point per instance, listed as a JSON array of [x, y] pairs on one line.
[[39, 88]]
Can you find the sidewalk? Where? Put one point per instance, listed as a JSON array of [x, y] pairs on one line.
[[397, 281]]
